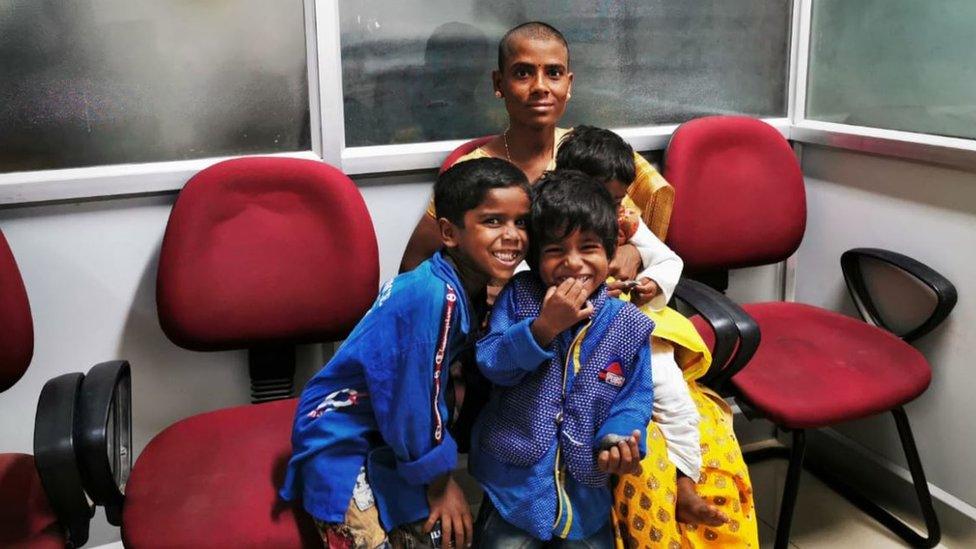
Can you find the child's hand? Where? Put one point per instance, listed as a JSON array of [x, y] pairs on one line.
[[447, 504], [626, 263], [645, 291], [563, 306], [623, 458]]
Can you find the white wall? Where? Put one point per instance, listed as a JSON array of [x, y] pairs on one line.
[[928, 213]]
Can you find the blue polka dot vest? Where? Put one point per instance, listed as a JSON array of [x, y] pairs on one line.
[[539, 411]]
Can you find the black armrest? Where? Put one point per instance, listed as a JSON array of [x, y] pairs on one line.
[[945, 292], [54, 455], [736, 333], [104, 435]]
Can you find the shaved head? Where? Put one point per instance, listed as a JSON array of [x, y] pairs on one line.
[[533, 30]]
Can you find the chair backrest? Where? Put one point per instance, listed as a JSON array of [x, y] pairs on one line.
[[263, 252], [739, 196], [16, 323], [462, 150], [649, 191]]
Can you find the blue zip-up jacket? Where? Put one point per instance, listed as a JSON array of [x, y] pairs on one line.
[[380, 401], [539, 435]]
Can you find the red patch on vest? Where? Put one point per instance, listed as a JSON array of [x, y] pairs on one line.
[[613, 375]]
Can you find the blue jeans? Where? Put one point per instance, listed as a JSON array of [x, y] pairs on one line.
[[491, 531]]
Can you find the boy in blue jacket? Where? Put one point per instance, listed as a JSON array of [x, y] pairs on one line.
[[571, 367], [372, 457]]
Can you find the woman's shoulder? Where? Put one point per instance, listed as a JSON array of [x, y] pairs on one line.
[[480, 152], [560, 134]]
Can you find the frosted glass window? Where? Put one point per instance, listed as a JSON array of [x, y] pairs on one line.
[[87, 82], [419, 70], [894, 64]]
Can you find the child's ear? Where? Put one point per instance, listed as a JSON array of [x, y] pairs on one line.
[[449, 232]]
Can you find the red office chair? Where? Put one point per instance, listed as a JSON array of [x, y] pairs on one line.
[[42, 498], [740, 202], [259, 253]]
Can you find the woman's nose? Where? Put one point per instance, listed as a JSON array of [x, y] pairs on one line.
[[573, 260], [539, 82]]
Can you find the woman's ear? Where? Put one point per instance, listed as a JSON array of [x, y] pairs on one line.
[[496, 83], [449, 232]]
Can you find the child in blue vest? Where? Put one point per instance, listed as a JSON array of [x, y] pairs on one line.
[[372, 457], [607, 158], [572, 372]]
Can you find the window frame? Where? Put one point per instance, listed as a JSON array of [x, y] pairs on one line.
[[954, 152], [327, 127]]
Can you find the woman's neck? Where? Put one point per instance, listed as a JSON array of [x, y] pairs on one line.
[[528, 143]]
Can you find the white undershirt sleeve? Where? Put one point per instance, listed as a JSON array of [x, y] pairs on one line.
[[661, 264], [675, 412]]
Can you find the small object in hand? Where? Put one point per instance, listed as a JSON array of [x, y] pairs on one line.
[[435, 535], [611, 440], [629, 285]]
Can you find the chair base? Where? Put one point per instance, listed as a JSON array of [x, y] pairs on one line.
[[795, 455]]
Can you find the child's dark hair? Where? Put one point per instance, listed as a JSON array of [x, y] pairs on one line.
[[599, 153], [464, 186], [534, 30], [564, 201]]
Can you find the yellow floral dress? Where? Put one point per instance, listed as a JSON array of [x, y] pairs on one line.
[[644, 503]]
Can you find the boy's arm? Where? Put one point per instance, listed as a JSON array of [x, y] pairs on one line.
[[631, 411], [509, 351], [406, 392], [675, 413], [662, 265]]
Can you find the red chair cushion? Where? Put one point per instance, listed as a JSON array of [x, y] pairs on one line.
[[739, 198], [266, 250], [211, 480], [17, 332], [816, 367], [463, 150], [26, 518]]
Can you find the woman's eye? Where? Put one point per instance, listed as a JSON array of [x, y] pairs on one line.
[[520, 223], [521, 73], [491, 221], [555, 73]]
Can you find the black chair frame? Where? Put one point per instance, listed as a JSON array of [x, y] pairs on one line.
[[55, 457], [104, 435]]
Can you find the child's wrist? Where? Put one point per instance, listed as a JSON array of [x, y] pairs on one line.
[[542, 332]]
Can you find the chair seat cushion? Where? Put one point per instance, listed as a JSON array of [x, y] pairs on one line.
[[816, 367], [211, 480], [26, 518]]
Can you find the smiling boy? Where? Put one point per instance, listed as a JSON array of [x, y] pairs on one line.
[[571, 366], [372, 455]]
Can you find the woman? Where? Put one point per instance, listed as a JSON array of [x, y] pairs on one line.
[[534, 80]]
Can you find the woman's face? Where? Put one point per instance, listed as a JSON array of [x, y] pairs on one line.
[[535, 82]]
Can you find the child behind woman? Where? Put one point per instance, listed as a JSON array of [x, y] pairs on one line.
[[574, 388]]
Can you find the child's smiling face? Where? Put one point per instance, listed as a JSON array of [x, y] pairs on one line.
[[580, 255], [493, 240]]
